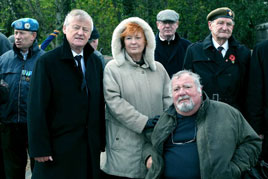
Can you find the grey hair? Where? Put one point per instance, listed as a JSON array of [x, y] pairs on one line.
[[78, 12], [194, 76]]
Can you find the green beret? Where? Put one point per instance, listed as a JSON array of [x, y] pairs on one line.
[[221, 12]]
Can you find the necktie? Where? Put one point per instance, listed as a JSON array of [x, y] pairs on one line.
[[220, 49], [78, 60], [84, 83]]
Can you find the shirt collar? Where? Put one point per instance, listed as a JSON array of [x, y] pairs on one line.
[[24, 55], [216, 45], [74, 53], [173, 38]]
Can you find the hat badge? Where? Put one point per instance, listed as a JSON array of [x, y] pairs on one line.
[[18, 24], [27, 26], [230, 13]]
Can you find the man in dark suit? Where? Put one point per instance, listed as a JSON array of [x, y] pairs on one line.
[[66, 106]]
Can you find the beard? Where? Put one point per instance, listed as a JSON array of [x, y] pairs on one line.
[[185, 106]]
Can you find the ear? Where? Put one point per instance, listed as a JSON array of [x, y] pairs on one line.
[[64, 29], [157, 24], [209, 24], [178, 23], [34, 35]]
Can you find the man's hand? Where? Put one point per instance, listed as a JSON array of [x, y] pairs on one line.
[[149, 162], [3, 83], [261, 136], [43, 159]]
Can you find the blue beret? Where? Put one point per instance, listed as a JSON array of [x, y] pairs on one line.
[[27, 24]]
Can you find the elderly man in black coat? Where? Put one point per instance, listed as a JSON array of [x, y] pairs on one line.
[[66, 106], [221, 61], [257, 99]]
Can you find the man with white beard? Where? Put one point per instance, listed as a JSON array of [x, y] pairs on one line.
[[198, 137]]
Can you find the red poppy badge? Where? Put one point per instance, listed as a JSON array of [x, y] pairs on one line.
[[232, 58]]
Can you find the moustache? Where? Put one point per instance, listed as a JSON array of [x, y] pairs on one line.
[[183, 98]]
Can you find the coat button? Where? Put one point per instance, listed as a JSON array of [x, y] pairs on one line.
[[116, 138], [142, 72]]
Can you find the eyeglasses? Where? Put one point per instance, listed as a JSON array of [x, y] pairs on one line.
[[187, 142]]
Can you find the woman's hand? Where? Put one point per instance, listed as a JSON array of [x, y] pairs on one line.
[[149, 162]]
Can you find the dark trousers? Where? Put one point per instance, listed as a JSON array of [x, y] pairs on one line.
[[264, 154], [14, 146], [2, 170], [107, 176]]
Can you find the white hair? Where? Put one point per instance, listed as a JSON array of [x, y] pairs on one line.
[[194, 76], [78, 12]]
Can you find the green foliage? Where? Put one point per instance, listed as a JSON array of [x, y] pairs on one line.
[[107, 14]]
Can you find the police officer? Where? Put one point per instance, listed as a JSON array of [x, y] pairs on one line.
[[220, 60], [16, 68], [170, 47]]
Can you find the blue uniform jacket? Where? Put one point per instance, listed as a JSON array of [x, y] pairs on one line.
[[17, 73]]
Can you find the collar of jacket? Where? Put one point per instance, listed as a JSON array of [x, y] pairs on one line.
[[34, 48], [209, 44], [131, 62], [171, 111], [177, 38], [67, 51]]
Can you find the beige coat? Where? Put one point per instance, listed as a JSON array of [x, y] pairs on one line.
[[133, 94]]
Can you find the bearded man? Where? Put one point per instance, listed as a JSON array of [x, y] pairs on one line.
[[198, 137]]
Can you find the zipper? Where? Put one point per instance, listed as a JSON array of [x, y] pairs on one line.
[[19, 93]]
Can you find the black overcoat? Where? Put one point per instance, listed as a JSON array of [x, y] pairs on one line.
[[171, 54], [223, 78], [63, 121], [257, 99], [3, 94]]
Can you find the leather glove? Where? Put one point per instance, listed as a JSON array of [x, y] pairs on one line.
[[152, 122]]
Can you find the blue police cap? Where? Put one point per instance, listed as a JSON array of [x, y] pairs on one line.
[[27, 24]]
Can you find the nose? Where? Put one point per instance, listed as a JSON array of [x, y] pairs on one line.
[[17, 36], [224, 26], [133, 41], [80, 31]]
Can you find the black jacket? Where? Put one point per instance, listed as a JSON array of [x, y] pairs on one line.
[[3, 94], [222, 79], [64, 122], [257, 100], [171, 54], [5, 45]]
